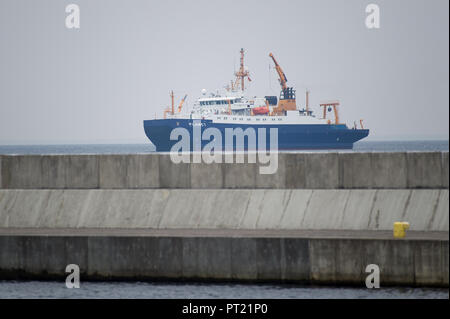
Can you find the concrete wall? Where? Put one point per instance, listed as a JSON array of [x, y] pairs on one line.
[[304, 260], [310, 191], [424, 209], [295, 171]]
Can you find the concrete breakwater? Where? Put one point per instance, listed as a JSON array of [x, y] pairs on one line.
[[321, 218], [295, 171], [424, 209], [335, 259]]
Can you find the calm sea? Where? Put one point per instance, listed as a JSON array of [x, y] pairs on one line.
[[362, 146], [52, 289]]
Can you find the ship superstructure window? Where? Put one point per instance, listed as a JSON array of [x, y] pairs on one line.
[[216, 102]]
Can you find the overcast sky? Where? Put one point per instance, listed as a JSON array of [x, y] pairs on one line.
[[98, 83]]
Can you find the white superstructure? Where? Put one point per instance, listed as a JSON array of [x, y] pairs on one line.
[[235, 108], [231, 106]]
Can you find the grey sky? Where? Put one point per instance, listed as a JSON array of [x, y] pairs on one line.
[[97, 84]]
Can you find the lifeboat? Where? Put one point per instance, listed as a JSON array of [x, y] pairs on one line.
[[260, 110]]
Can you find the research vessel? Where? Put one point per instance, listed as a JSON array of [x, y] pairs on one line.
[[233, 111]]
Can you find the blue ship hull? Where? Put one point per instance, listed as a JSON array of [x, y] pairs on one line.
[[290, 137]]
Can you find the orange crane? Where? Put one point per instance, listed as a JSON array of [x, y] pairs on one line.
[[287, 96], [181, 103], [283, 78]]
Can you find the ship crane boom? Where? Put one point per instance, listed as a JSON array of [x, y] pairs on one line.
[[282, 79], [287, 96], [181, 104]]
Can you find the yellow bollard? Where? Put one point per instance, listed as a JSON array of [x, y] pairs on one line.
[[400, 229]]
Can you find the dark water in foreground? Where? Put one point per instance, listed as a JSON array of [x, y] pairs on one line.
[[52, 289], [363, 146]]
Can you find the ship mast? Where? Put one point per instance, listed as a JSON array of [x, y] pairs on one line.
[[242, 73], [172, 96]]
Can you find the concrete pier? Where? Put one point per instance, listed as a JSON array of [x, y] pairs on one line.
[[334, 257], [321, 218], [295, 171], [425, 209]]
